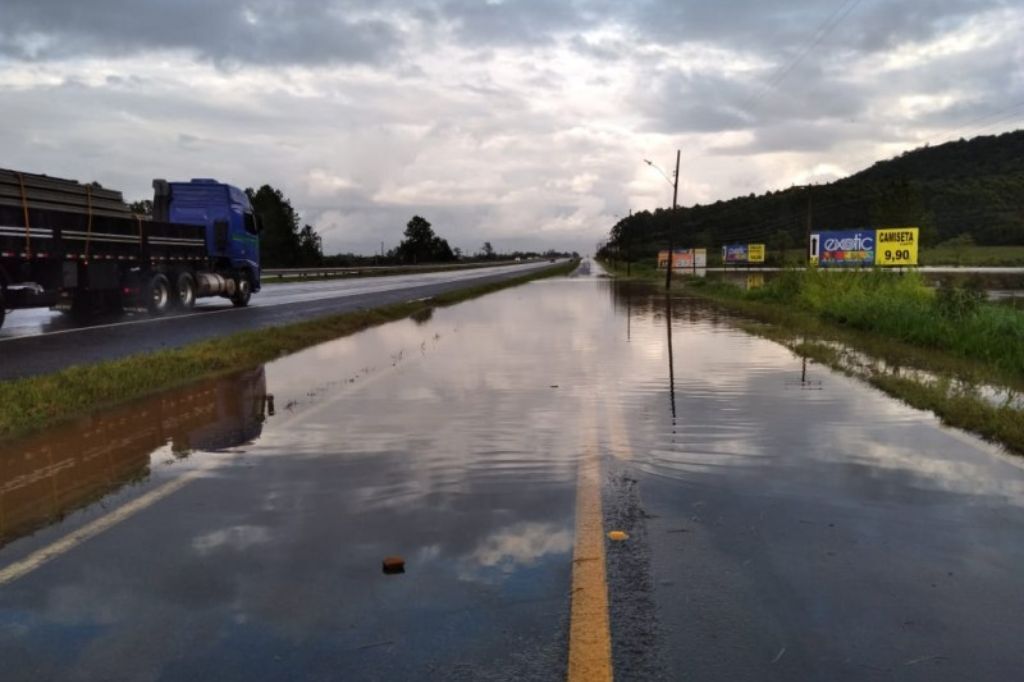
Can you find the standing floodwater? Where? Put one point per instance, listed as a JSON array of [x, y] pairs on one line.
[[783, 521]]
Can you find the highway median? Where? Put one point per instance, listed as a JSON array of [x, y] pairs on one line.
[[33, 403]]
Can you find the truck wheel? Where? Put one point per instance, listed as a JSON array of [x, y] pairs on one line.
[[243, 291], [185, 291], [156, 295]]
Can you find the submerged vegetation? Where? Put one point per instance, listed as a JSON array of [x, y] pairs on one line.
[[945, 350], [953, 319], [35, 402]]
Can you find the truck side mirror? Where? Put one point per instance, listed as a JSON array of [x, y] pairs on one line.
[[253, 225]]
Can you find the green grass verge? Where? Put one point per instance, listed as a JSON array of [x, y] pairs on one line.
[[954, 397], [35, 402], [953, 320]]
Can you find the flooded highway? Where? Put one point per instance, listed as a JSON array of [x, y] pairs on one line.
[[43, 321], [778, 520], [40, 341]]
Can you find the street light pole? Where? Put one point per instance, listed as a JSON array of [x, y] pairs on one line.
[[675, 197]]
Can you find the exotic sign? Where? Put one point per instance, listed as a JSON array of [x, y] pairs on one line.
[[734, 253], [846, 249], [896, 247]]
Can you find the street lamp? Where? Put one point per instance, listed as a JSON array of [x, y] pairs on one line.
[[675, 197]]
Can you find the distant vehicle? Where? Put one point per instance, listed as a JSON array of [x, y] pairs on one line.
[[519, 259], [80, 249]]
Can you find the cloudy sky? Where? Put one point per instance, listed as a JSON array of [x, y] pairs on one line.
[[522, 122]]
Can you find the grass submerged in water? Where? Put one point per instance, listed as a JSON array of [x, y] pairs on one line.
[[963, 341], [953, 320]]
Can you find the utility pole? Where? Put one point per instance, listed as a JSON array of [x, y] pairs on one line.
[[629, 251], [675, 197], [810, 228]]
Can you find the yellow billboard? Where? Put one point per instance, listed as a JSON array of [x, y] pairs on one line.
[[755, 253], [897, 246]]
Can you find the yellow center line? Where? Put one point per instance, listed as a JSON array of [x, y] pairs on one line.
[[590, 647]]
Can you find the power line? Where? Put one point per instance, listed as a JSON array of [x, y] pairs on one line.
[[1011, 112], [826, 27]]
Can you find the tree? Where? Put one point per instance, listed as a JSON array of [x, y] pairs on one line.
[[488, 251], [282, 243], [310, 246], [143, 208], [421, 245]]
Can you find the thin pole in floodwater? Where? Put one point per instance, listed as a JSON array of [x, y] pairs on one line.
[[675, 198], [629, 250], [671, 364], [810, 227]]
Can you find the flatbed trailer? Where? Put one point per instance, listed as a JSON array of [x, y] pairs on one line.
[[80, 249]]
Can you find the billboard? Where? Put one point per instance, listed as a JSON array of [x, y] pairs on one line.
[[843, 249], [896, 246], [684, 258], [734, 253], [742, 253]]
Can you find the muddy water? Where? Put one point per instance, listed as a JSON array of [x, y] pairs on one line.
[[784, 521]]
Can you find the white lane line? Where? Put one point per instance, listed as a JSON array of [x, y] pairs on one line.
[[129, 509], [75, 538], [90, 530], [339, 293]]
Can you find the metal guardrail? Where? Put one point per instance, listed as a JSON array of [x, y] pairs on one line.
[[353, 271]]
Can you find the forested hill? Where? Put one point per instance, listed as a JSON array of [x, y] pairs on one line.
[[952, 190]]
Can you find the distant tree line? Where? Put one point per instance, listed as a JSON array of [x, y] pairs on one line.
[[965, 190], [285, 242]]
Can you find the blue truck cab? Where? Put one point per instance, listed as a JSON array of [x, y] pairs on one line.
[[232, 227]]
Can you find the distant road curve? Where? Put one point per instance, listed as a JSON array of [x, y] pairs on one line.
[[39, 341]]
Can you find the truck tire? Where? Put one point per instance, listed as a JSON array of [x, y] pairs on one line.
[[185, 291], [243, 291], [156, 295]]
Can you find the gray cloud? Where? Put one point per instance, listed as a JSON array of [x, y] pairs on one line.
[[259, 31], [516, 22], [520, 122]]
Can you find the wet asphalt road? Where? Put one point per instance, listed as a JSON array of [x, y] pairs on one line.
[[779, 528], [37, 341]]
